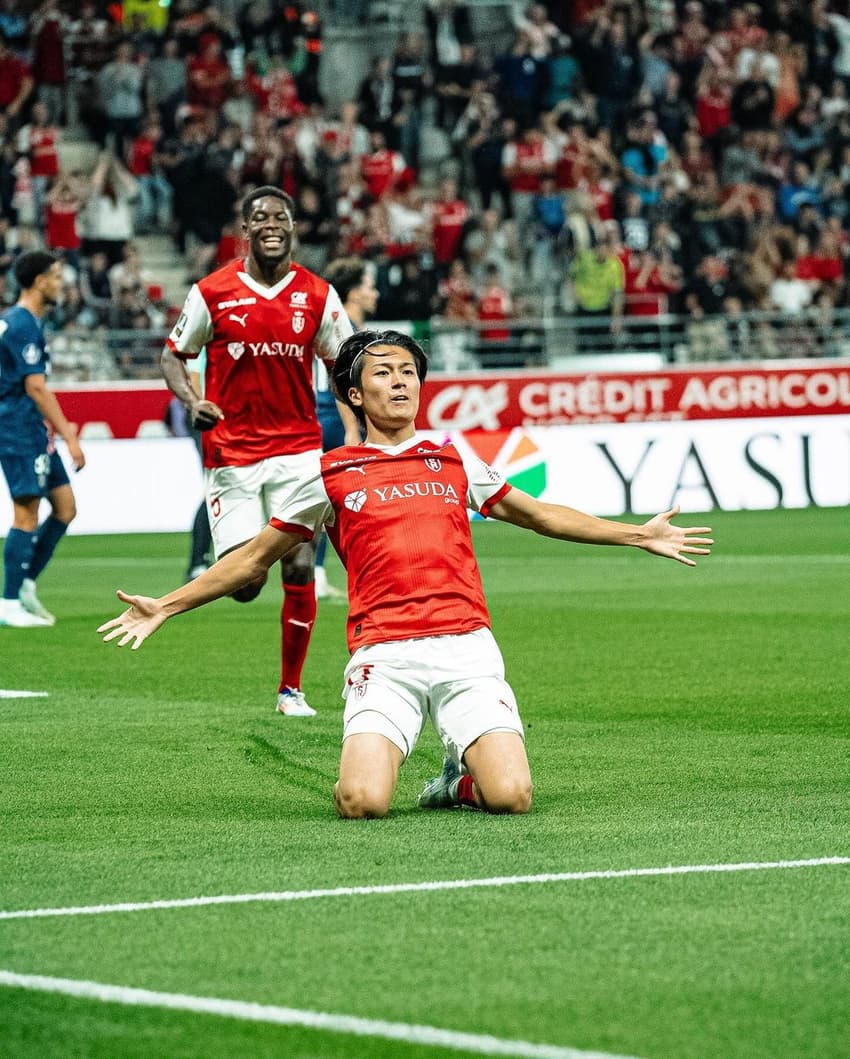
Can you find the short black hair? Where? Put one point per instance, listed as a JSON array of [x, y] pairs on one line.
[[266, 191], [31, 265], [345, 274], [347, 369]]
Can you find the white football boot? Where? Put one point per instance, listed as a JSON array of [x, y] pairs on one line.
[[441, 791], [13, 614], [30, 602], [291, 703]]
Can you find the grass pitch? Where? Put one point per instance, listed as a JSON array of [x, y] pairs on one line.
[[673, 716]]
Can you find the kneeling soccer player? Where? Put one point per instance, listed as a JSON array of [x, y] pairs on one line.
[[418, 626]]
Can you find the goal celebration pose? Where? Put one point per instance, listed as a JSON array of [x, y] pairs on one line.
[[395, 508]]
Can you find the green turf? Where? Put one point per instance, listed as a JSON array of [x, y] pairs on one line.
[[673, 717]]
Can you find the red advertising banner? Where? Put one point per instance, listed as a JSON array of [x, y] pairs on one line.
[[493, 401], [496, 402]]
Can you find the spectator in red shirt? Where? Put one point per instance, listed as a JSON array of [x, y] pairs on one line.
[[381, 167], [153, 209], [449, 217], [713, 103], [208, 74], [48, 57], [16, 83], [39, 141], [64, 202], [494, 305]]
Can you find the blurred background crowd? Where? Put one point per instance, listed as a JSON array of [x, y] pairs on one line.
[[614, 161]]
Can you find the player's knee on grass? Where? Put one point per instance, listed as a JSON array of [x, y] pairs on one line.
[[356, 800], [298, 568], [506, 795], [499, 766], [250, 591]]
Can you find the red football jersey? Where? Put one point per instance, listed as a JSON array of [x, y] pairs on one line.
[[448, 222], [397, 516], [260, 344]]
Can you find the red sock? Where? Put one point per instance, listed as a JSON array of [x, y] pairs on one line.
[[296, 624], [466, 793]]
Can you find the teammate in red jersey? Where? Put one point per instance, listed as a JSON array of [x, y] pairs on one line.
[[262, 320], [418, 627]]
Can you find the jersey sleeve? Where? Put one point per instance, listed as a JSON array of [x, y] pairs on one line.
[[29, 354], [307, 509], [194, 328], [334, 328], [486, 485]]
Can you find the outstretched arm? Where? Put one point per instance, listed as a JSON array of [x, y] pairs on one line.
[[248, 563], [658, 536]]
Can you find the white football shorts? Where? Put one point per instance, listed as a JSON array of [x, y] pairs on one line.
[[390, 689], [241, 500]]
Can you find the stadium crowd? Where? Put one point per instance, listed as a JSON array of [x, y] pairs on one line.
[[616, 157]]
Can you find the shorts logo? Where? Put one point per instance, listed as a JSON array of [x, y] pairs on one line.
[[359, 683], [31, 353], [298, 322], [299, 297], [355, 501], [433, 465], [236, 349]]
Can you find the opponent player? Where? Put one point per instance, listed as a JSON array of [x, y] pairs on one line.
[[262, 320], [418, 626], [354, 281], [29, 415]]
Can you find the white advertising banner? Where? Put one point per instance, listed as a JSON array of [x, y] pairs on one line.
[[144, 486], [154, 485]]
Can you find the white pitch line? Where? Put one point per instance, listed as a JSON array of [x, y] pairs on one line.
[[403, 888], [7, 694], [410, 1033]]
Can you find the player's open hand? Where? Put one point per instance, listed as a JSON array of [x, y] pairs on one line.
[[676, 542], [141, 620], [205, 415]]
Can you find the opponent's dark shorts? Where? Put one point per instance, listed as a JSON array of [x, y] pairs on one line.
[[35, 475]]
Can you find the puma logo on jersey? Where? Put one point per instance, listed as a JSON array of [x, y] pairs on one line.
[[239, 319], [360, 470]]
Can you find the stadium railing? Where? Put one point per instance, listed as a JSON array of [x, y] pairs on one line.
[[551, 341]]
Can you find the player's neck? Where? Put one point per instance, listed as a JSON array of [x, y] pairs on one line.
[[376, 435], [355, 314], [34, 302], [268, 273]]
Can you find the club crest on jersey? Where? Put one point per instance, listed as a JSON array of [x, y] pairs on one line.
[[433, 465], [297, 321], [299, 297], [31, 353], [355, 501], [236, 349]]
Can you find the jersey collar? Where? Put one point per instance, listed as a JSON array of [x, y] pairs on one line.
[[402, 446], [267, 292]]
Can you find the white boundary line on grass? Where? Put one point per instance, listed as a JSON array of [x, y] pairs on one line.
[[7, 693], [410, 1033], [401, 888]]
